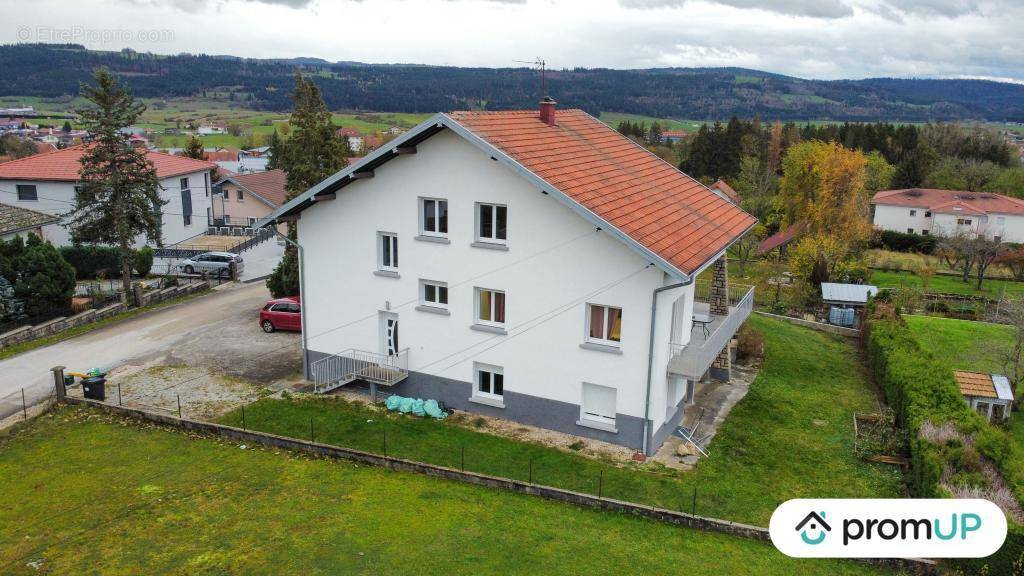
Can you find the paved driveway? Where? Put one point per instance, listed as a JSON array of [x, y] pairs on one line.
[[219, 331]]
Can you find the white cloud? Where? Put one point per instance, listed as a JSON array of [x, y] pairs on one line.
[[827, 39]]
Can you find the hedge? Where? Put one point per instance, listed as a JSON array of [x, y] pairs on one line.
[[904, 242], [89, 261]]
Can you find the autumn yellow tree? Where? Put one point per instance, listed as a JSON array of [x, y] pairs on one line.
[[823, 184]]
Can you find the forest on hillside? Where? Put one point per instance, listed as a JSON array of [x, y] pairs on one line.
[[54, 71]]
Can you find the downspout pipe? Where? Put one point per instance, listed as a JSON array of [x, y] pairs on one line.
[[650, 357], [302, 305]]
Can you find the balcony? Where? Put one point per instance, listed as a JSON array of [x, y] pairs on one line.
[[693, 359], [340, 369]]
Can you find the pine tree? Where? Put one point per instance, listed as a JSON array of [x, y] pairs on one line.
[[314, 151], [194, 149], [67, 126], [117, 199]]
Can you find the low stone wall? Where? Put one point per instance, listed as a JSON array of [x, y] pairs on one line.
[[57, 325], [831, 328], [518, 486]]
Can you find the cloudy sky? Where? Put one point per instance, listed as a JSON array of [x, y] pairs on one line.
[[809, 38]]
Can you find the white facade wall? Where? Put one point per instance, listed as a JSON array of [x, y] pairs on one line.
[[554, 261], [1008, 227], [58, 198], [899, 218]]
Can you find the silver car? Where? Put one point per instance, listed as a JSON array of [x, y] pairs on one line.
[[213, 264]]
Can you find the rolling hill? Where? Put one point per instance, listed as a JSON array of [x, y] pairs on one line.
[[52, 70]]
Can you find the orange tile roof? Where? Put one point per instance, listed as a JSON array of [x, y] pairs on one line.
[[268, 185], [661, 208], [975, 384], [723, 187], [65, 165], [945, 201]]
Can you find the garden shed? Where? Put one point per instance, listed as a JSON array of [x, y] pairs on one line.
[[988, 394], [846, 302]]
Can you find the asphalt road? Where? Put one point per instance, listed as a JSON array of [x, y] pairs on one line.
[[219, 331]]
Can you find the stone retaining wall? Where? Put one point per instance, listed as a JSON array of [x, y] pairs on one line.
[[518, 486], [820, 326], [57, 325]]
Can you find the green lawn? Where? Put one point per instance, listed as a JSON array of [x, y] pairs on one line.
[[790, 437], [86, 493], [947, 284], [961, 342]]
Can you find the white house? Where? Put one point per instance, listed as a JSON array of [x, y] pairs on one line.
[[928, 211], [46, 183], [537, 267]]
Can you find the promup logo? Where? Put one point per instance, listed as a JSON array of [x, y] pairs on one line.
[[817, 524], [876, 528]]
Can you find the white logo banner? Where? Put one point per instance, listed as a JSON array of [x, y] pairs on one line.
[[888, 528]]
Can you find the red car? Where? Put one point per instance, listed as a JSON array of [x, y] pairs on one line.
[[281, 314]]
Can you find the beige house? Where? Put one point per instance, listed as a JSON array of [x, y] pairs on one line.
[[241, 200]]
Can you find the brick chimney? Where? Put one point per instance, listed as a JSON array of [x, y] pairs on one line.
[[547, 111]]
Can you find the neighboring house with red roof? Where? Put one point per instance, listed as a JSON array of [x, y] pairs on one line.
[[539, 267], [928, 211], [46, 183], [244, 199], [725, 191], [356, 143], [781, 239]]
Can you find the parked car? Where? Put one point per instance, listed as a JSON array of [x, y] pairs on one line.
[[212, 263], [281, 314]]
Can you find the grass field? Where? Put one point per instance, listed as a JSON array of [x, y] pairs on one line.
[[790, 437], [86, 493], [991, 288], [962, 343]]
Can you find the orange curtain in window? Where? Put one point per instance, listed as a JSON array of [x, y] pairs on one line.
[[614, 324], [499, 307]]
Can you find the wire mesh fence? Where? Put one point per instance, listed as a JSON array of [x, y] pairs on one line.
[[373, 430], [21, 401]]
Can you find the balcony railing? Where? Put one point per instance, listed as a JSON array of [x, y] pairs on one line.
[[692, 360], [340, 369]]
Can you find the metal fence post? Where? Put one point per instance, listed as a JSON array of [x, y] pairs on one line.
[[24, 407], [600, 485], [58, 382], [463, 457], [311, 429], [179, 406], [243, 416], [119, 395]]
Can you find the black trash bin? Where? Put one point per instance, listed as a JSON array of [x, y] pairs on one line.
[[94, 388]]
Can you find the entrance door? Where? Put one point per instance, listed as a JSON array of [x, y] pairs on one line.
[[389, 333]]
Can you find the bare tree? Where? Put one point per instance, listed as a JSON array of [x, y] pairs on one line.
[[985, 252]]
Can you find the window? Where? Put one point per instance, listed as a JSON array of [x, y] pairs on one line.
[[492, 222], [27, 192], [490, 381], [924, 232], [490, 307], [239, 195], [963, 221], [433, 217], [604, 324], [253, 220], [913, 212], [434, 293], [186, 204], [910, 230], [598, 405], [928, 214], [387, 251]]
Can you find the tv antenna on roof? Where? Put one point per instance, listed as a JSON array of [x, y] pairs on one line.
[[538, 64]]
